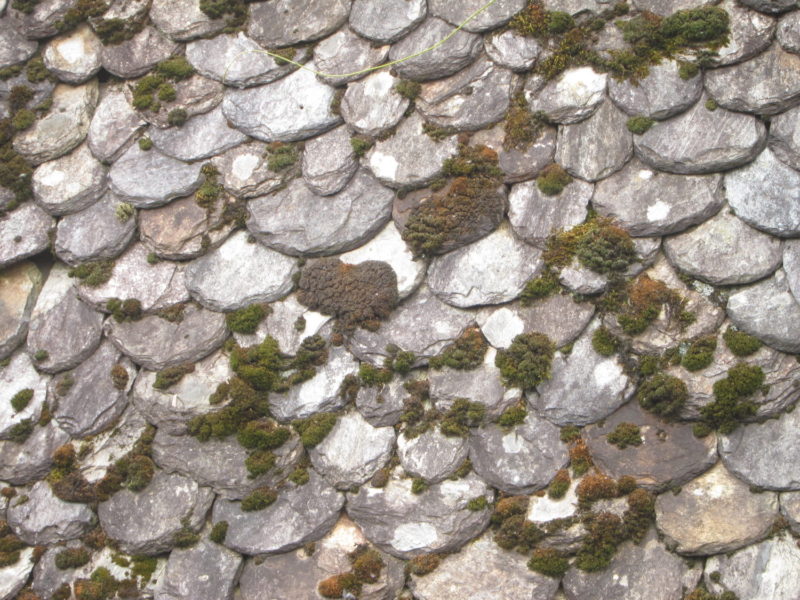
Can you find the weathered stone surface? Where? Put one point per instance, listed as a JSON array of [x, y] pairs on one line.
[[24, 232], [520, 162], [390, 248], [298, 222], [498, 13], [788, 34], [724, 251], [136, 56], [492, 270], [239, 273], [388, 22], [149, 178], [320, 393], [431, 455], [300, 514], [751, 32], [296, 575], [329, 162], [146, 522], [410, 157], [40, 20], [17, 376], [405, 524], [483, 569], [245, 171], [113, 125], [585, 387], [235, 60], [765, 571], [352, 451], [382, 405], [637, 572], [345, 52], [701, 141], [61, 325], [289, 22], [645, 202], [768, 311], [791, 265], [715, 513], [469, 100], [558, 316], [14, 576], [534, 216], [200, 137], [93, 233], [220, 463], [70, 183], [205, 570], [764, 194], [512, 51], [183, 20], [660, 95], [408, 327], [14, 47], [291, 109], [74, 58], [452, 56], [669, 455], [580, 280], [196, 95], [44, 519], [790, 509], [596, 147], [764, 454], [784, 140], [521, 460], [372, 106], [767, 84], [481, 384], [156, 343], [30, 461], [770, 6], [19, 287], [42, 91], [570, 98]]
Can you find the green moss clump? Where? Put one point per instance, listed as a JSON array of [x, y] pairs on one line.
[[517, 533], [549, 562], [513, 415], [137, 471], [604, 342], [18, 97], [129, 309], [81, 12], [176, 68], [477, 504], [20, 431], [360, 144], [596, 486], [663, 395], [115, 31], [552, 180], [711, 105], [260, 462], [124, 210], [246, 320], [15, 171], [400, 362], [645, 299], [145, 144], [408, 89], [263, 434], [185, 538], [177, 117], [522, 127], [526, 362], [731, 404], [374, 376], [624, 435], [598, 243], [641, 513], [170, 376], [464, 354], [540, 287], [462, 415], [25, 6], [93, 274], [423, 564], [418, 485], [210, 190], [72, 558], [35, 70], [639, 125], [21, 399], [740, 343], [700, 354], [559, 486], [258, 499], [415, 418], [245, 404], [569, 434], [535, 21], [281, 156], [299, 476], [119, 376], [218, 532], [166, 92], [23, 119], [604, 534], [314, 429]]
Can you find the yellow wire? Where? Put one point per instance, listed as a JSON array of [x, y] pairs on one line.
[[368, 69]]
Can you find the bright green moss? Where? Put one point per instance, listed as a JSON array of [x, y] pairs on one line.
[[522, 127], [624, 435], [361, 144], [35, 70], [540, 287], [553, 179], [418, 485], [400, 362], [314, 429], [262, 434], [549, 562], [477, 504], [513, 415], [731, 402], [281, 156], [260, 462], [246, 320], [639, 125], [299, 476], [740, 343], [526, 362], [258, 499], [145, 144], [167, 93], [560, 485], [176, 68], [372, 376], [604, 342], [21, 399], [663, 395], [464, 354], [93, 274], [700, 354], [569, 434]]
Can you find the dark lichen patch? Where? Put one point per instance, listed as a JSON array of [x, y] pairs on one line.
[[700, 354], [526, 362], [663, 395], [246, 320], [732, 398], [552, 180], [464, 354], [741, 343], [624, 435], [94, 273]]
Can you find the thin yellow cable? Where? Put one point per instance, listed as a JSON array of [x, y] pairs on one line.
[[368, 69]]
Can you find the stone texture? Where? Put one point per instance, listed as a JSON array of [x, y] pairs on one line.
[[200, 137], [431, 455], [472, 99], [344, 52], [245, 171], [149, 178], [301, 514], [669, 456], [701, 141], [20, 287], [155, 343], [788, 34], [512, 51], [404, 524], [580, 280], [751, 32], [388, 22], [483, 570], [329, 162], [30, 461], [498, 13], [521, 460], [14, 47], [714, 513], [70, 183], [44, 519], [522, 162], [492, 270], [452, 56], [182, 20], [291, 109], [239, 273], [61, 325], [75, 57], [24, 232], [17, 376], [790, 508], [288, 22], [764, 194], [570, 98], [534, 216], [93, 233], [195, 95], [660, 95], [410, 157], [597, 147], [382, 405], [791, 265], [724, 251], [784, 140], [146, 522], [372, 106], [481, 384], [770, 6], [15, 576], [113, 125], [135, 57], [205, 570], [764, 454], [40, 21], [330, 224]]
